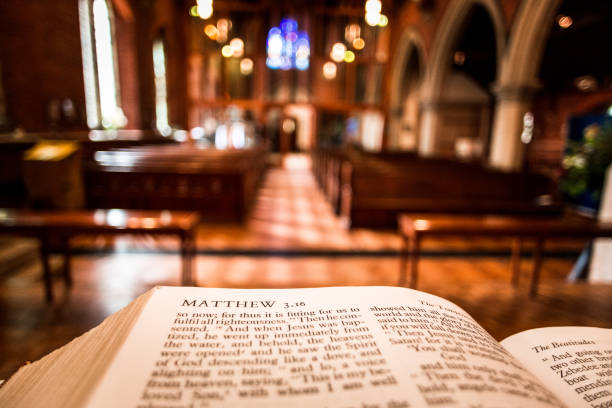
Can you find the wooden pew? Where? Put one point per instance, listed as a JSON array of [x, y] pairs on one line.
[[374, 188], [220, 184]]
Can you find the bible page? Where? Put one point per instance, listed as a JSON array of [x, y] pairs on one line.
[[575, 362], [349, 347]]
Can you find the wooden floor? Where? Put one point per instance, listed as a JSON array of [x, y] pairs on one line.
[[292, 239]]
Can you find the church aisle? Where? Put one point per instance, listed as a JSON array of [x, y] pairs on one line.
[[291, 214]]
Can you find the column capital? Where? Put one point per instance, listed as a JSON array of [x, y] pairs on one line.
[[517, 92], [432, 105]]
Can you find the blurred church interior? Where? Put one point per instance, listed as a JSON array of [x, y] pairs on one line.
[[298, 132]]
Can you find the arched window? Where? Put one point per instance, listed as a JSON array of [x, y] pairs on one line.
[[161, 93], [99, 65]]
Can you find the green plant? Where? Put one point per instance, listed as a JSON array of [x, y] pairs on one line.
[[587, 161]]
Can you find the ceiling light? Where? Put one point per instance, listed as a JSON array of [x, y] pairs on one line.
[[373, 6], [564, 21], [211, 31], [383, 20], [246, 66], [459, 58], [349, 56], [223, 27], [372, 19], [227, 51], [358, 43], [586, 83], [329, 70], [351, 32], [237, 46], [205, 8], [372, 15], [337, 52]]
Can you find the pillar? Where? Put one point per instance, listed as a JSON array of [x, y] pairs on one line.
[[431, 117], [394, 117], [506, 148]]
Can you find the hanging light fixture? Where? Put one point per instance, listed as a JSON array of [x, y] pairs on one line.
[[223, 27], [349, 56], [337, 52], [329, 70], [237, 46], [383, 20], [227, 51], [246, 66], [372, 12], [204, 8], [351, 32], [211, 31]]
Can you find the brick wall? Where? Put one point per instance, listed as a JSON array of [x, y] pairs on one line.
[[552, 112], [40, 50]]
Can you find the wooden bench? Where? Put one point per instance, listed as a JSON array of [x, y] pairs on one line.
[[371, 190], [63, 225], [221, 185], [413, 228]]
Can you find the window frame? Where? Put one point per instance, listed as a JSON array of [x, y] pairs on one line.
[[91, 76]]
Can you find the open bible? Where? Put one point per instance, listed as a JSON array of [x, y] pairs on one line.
[[344, 347]]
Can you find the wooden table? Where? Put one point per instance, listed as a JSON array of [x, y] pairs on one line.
[[413, 228], [62, 225]]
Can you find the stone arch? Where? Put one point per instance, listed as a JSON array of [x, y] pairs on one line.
[[528, 38], [447, 34], [518, 79], [454, 21], [410, 45]]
